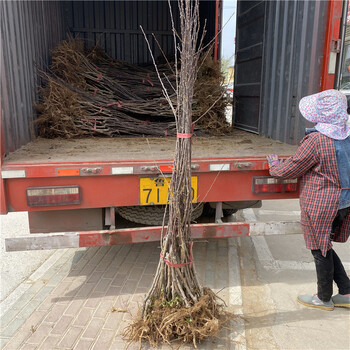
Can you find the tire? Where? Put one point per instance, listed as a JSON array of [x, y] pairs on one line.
[[153, 214], [228, 212], [210, 212]]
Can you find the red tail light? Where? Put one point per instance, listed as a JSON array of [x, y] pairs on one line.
[[56, 195], [266, 184]]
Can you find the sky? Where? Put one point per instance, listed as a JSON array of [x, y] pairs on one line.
[[228, 34]]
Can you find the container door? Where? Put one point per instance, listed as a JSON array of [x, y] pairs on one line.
[[343, 82], [248, 67]]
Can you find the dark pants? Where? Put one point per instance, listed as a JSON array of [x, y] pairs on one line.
[[342, 213], [330, 268]]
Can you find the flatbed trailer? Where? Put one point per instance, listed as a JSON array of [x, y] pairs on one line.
[[108, 174], [72, 189]]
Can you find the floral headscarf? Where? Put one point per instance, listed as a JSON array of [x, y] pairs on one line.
[[329, 110]]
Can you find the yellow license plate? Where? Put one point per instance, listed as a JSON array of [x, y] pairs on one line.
[[155, 190]]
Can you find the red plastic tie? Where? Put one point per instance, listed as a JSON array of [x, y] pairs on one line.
[[149, 79], [165, 132], [118, 103], [169, 263], [99, 77], [183, 136], [95, 92], [95, 126], [144, 80]]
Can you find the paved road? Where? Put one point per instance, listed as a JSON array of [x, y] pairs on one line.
[[70, 303]]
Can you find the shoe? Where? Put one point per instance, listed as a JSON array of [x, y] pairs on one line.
[[314, 301], [341, 300]]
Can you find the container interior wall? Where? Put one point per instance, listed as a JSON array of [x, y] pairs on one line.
[[29, 29], [279, 55], [115, 26]]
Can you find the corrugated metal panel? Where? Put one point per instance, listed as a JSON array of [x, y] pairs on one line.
[[293, 55], [29, 29], [248, 65], [279, 59], [115, 26]]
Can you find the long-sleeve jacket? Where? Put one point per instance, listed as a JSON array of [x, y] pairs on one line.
[[315, 163]]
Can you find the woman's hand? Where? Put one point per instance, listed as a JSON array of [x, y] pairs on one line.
[[273, 160]]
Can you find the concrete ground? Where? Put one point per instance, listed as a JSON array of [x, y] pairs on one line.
[[16, 267], [74, 302]]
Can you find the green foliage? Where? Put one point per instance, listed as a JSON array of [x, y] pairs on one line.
[[188, 320], [225, 63], [176, 302]]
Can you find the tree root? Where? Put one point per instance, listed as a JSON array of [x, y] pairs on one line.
[[168, 322]]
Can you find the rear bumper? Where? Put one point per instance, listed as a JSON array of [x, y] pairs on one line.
[[145, 234]]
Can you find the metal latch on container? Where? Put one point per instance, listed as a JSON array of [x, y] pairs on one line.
[[149, 168], [91, 171], [243, 165], [335, 45]]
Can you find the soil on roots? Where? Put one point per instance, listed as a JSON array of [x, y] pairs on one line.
[[168, 322]]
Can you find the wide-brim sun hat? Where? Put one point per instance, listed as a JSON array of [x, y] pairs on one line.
[[329, 110]]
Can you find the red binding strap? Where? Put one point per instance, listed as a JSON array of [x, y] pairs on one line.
[[169, 263], [118, 103], [183, 136], [99, 77]]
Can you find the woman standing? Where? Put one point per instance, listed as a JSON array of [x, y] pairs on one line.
[[323, 164]]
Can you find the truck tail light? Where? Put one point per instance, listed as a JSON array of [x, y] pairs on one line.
[[56, 195], [271, 185]]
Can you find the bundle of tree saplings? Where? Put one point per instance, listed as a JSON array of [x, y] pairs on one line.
[[87, 93], [177, 308]]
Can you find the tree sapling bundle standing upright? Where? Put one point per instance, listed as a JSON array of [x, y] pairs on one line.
[[177, 307]]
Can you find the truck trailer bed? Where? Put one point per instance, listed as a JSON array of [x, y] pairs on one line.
[[238, 144]]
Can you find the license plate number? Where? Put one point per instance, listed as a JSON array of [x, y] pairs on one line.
[[155, 190]]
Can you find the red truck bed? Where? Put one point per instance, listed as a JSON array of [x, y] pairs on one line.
[[109, 173], [239, 144]]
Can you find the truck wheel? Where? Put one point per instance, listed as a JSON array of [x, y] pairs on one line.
[[153, 215], [228, 212], [210, 212]]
